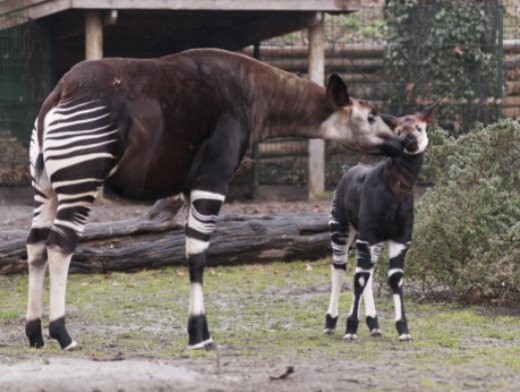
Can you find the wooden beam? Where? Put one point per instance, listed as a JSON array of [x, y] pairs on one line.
[[223, 5], [316, 73]]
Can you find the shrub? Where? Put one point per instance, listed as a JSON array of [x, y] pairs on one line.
[[467, 227]]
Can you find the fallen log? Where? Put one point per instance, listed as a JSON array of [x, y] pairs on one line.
[[157, 240]]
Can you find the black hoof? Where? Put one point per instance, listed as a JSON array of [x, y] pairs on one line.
[[33, 331], [198, 332], [328, 331], [330, 324], [58, 331]]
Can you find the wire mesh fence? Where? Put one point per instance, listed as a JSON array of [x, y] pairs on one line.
[[400, 59], [25, 80]]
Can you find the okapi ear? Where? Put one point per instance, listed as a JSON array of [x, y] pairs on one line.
[[337, 93], [428, 114], [389, 120]]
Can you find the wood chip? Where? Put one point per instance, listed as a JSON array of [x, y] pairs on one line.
[[284, 375]]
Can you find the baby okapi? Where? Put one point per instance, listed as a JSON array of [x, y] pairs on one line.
[[376, 203]]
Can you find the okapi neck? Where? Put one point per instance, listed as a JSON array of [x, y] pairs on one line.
[[286, 105], [400, 173]]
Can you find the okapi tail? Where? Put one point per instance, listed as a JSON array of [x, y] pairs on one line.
[[38, 167], [36, 152]]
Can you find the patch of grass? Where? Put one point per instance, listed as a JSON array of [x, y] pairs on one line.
[[268, 312]]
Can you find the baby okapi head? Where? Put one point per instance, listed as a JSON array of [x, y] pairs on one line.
[[412, 129]]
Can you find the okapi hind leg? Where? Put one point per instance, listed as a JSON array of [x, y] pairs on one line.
[[45, 204], [368, 296], [397, 252], [44, 212], [342, 236], [71, 218], [204, 208]]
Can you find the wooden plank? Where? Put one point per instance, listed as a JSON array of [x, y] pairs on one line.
[[24, 15], [512, 101], [8, 6], [513, 87], [355, 50], [512, 112], [223, 5]]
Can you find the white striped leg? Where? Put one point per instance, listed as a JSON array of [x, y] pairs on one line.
[[204, 208], [79, 146], [74, 205], [58, 269], [368, 295], [340, 241], [397, 253], [45, 203], [366, 254]]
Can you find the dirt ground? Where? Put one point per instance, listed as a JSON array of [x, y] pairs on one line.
[[255, 346]]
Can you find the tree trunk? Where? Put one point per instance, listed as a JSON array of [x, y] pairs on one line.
[[157, 239]]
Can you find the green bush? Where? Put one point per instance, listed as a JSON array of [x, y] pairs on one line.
[[467, 227]]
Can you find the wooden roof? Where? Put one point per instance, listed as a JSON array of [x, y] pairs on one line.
[[152, 28], [15, 12]]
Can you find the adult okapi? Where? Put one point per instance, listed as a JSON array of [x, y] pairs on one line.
[[158, 127]]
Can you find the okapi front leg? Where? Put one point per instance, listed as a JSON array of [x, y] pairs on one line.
[[204, 209], [366, 256], [341, 238], [368, 296], [397, 253]]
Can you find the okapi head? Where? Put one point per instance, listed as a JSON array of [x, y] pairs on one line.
[[357, 125], [412, 129]]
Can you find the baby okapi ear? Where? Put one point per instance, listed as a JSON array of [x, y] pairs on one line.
[[428, 114], [389, 120], [337, 93]]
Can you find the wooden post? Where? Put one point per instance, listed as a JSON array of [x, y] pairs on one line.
[[93, 35], [316, 34], [94, 51]]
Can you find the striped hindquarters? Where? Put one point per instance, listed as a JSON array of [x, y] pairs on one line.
[[79, 143]]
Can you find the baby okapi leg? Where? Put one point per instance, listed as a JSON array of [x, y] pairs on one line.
[[341, 238], [397, 253], [368, 296], [204, 209], [364, 270]]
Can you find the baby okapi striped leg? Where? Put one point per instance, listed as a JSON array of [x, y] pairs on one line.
[[366, 259], [397, 253], [204, 208], [342, 236], [368, 296]]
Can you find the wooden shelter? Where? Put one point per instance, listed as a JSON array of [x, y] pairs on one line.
[[91, 29]]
